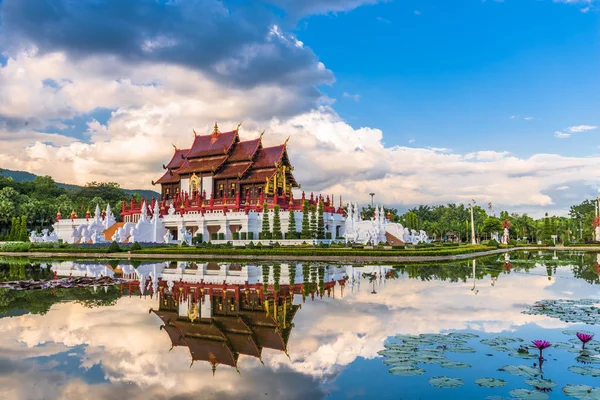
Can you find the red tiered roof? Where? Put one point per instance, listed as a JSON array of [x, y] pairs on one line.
[[177, 160], [267, 157], [234, 170], [202, 165], [245, 151], [259, 176], [212, 145], [169, 177], [223, 155]]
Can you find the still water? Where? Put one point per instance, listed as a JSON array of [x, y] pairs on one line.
[[302, 331]]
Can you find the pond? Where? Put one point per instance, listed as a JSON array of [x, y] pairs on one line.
[[88, 329]]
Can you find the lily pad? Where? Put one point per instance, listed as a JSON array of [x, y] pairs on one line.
[[398, 361], [527, 394], [581, 311], [525, 356], [443, 382], [463, 336], [502, 348], [586, 371], [490, 382], [455, 365], [541, 383], [588, 359], [582, 392], [521, 370], [460, 349], [562, 345], [573, 332], [406, 370]]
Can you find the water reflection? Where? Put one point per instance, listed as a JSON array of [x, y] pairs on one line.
[[291, 330]]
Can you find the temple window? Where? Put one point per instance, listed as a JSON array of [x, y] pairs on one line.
[[221, 190], [233, 190]]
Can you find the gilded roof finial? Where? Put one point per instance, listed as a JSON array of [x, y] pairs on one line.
[[286, 141], [216, 128], [238, 127], [175, 147], [261, 135], [195, 134]]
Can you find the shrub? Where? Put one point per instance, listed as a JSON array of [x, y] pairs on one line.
[[197, 239], [15, 247], [235, 235], [276, 233], [243, 235], [250, 245], [513, 242], [493, 243], [113, 248], [136, 246]]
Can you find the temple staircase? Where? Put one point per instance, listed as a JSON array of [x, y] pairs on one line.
[[108, 233]]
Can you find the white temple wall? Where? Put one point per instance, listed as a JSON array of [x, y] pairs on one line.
[[207, 185], [184, 185]]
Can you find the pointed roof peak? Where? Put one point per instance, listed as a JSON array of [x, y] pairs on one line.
[[216, 129]]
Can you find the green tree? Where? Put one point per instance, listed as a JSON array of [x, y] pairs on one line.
[[313, 222], [547, 230], [23, 229], [411, 221], [15, 229], [276, 224], [266, 229], [305, 234], [291, 233], [320, 222], [491, 225]]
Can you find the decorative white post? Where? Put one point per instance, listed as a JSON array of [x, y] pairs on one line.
[[472, 223]]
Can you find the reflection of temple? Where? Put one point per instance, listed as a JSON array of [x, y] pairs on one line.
[[222, 311], [217, 325]]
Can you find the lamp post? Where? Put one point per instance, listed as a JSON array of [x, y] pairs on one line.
[[472, 223], [372, 195]]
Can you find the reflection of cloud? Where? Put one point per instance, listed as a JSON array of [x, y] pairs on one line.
[[329, 334]]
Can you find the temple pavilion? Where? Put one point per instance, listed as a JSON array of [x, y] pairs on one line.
[[218, 186], [219, 166]]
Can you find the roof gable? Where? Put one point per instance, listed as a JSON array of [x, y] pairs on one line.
[[245, 151], [267, 157], [212, 145], [177, 160]]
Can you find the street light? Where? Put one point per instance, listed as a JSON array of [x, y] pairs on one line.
[[372, 195], [472, 223]]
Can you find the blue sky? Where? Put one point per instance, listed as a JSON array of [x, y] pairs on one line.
[[421, 102], [451, 74]]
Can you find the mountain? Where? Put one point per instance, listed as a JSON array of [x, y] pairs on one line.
[[22, 176]]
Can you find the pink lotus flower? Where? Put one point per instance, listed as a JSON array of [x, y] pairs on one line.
[[541, 345], [584, 337]]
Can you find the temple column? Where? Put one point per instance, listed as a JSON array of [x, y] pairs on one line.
[[203, 229], [224, 229]]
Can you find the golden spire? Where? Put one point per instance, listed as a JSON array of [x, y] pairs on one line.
[[216, 128], [238, 127], [286, 141], [175, 147], [261, 135], [195, 134]]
